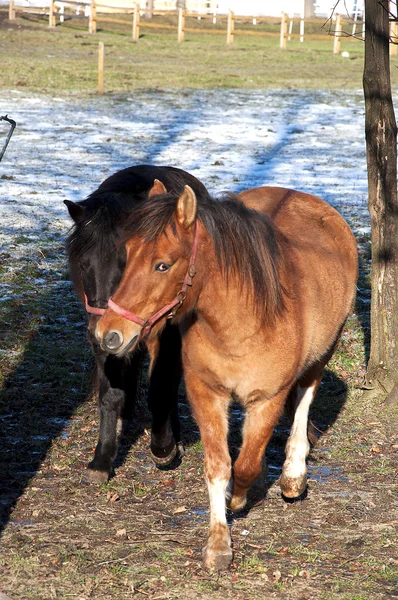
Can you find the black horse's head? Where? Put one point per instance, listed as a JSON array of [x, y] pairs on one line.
[[96, 261], [96, 257]]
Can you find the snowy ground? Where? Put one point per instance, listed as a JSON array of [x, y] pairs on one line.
[[232, 140]]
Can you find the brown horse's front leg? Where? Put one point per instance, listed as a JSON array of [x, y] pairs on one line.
[[211, 413], [261, 418]]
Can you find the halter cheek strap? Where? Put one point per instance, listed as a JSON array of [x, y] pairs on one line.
[[169, 309], [92, 309]]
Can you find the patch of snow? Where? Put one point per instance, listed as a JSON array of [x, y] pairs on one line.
[[230, 139]]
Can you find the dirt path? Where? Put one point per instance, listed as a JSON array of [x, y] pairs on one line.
[[141, 534]]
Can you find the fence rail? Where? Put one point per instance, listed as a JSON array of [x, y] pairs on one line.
[[227, 25]]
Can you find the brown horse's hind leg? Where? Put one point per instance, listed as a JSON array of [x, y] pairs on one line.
[[294, 473], [211, 413], [261, 418]]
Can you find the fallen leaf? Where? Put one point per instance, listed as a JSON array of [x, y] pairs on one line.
[[277, 575], [112, 496], [121, 533], [304, 574], [180, 509]]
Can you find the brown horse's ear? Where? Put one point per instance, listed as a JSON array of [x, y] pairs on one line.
[[157, 189], [186, 208], [76, 211]]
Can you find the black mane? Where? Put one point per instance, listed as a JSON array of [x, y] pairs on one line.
[[246, 243]]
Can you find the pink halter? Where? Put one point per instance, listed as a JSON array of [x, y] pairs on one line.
[[92, 309], [171, 308]]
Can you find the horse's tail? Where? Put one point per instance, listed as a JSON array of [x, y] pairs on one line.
[[290, 409]]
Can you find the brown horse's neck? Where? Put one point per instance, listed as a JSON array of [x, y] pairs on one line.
[[219, 298]]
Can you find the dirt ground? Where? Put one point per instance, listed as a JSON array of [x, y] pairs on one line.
[[141, 534]]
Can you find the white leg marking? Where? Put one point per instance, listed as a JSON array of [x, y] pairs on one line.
[[298, 447], [217, 494]]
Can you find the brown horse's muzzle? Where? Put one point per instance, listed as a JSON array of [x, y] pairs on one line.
[[116, 335]]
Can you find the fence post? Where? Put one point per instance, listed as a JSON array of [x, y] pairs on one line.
[[100, 67], [52, 18], [231, 27], [181, 24], [393, 38], [283, 35], [337, 35], [290, 29], [11, 11], [136, 23], [302, 28], [92, 20]]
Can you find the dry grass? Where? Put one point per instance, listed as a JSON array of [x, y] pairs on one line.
[[64, 60]]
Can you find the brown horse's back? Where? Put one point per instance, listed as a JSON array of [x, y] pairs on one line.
[[320, 256]]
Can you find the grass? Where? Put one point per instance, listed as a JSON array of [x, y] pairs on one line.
[[64, 60]]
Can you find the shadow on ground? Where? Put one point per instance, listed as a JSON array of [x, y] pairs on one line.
[[44, 387]]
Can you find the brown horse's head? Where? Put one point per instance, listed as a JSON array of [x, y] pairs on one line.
[[155, 281]]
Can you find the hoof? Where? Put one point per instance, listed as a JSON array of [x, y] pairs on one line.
[[163, 458], [293, 487], [237, 503], [217, 560], [93, 476]]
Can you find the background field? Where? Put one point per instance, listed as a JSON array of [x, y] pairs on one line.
[[65, 59], [257, 115]]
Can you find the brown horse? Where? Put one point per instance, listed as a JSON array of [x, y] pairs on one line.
[[261, 297]]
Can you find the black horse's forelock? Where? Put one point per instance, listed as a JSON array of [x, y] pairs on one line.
[[101, 225], [246, 243]]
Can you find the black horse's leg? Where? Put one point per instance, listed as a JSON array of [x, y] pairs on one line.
[[165, 376], [132, 366], [112, 398]]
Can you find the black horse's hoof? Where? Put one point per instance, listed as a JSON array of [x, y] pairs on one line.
[[94, 476], [163, 457]]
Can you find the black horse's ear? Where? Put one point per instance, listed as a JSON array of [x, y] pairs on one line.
[[157, 189], [76, 211]]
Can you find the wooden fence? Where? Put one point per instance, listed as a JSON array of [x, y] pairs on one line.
[[108, 11]]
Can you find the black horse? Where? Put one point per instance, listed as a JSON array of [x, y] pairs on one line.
[[96, 262]]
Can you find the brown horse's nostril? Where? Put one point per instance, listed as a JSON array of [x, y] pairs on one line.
[[113, 340]]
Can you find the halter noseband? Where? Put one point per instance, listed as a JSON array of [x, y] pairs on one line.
[[93, 310], [169, 309]]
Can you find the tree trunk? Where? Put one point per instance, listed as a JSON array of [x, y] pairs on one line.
[[381, 151], [309, 12], [149, 6]]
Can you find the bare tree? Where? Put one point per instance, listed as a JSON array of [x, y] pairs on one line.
[[381, 150], [149, 7]]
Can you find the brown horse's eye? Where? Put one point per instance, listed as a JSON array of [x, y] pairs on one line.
[[162, 267]]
